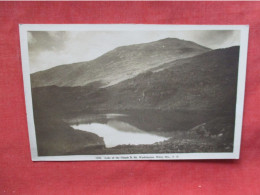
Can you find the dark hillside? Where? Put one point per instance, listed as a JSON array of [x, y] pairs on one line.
[[119, 64], [192, 100], [204, 82]]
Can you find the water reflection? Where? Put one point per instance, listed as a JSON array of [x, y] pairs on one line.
[[119, 133]]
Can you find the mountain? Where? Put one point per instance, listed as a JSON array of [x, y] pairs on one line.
[[119, 64], [206, 81], [203, 82], [192, 100]]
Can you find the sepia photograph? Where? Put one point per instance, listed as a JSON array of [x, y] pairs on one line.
[[134, 92]]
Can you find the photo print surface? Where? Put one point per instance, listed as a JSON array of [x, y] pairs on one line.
[[130, 92]]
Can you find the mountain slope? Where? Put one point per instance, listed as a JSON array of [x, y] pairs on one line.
[[119, 64], [204, 82], [207, 81], [192, 100]]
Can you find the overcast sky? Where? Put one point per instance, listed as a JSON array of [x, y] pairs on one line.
[[48, 49]]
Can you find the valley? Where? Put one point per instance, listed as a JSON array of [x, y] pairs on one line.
[[190, 99]]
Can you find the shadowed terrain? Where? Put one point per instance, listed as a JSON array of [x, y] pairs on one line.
[[190, 100], [119, 64]]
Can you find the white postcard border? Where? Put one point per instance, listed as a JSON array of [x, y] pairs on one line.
[[244, 29]]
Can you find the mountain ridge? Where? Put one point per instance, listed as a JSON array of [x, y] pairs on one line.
[[118, 64], [206, 81], [192, 100]]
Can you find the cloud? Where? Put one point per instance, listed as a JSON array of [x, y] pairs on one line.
[[51, 48], [217, 39], [31, 39]]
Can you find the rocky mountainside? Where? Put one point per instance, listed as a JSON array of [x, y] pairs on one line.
[[191, 99], [207, 81], [204, 82], [119, 64]]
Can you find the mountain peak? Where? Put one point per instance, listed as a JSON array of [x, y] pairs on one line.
[[119, 64], [170, 39], [180, 43]]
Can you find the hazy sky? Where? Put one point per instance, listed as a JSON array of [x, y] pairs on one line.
[[51, 48]]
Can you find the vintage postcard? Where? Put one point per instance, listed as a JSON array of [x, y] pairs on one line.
[[134, 92]]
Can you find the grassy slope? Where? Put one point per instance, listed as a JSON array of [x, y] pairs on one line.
[[207, 81], [118, 64], [203, 84]]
